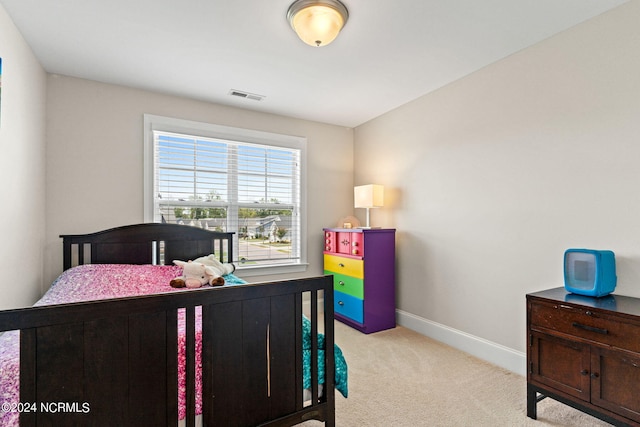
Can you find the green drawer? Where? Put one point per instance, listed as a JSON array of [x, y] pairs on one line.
[[347, 284]]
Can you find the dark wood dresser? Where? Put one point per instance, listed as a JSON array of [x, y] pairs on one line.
[[585, 352]]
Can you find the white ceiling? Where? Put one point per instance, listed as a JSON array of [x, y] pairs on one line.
[[390, 52]]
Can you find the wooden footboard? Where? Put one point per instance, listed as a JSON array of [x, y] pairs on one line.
[[114, 362]]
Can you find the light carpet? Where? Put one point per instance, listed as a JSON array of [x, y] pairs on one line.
[[401, 378]]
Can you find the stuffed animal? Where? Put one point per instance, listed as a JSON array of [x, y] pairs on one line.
[[201, 271]]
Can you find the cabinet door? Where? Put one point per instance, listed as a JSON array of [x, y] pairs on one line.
[[343, 242], [560, 363], [616, 381]]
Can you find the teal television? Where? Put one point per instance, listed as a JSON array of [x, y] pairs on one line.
[[590, 272]]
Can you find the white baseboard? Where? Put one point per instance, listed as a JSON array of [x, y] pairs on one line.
[[497, 354]]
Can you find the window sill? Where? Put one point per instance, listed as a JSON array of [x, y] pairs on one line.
[[271, 269]]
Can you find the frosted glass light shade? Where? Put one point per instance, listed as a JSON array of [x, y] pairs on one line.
[[317, 23]]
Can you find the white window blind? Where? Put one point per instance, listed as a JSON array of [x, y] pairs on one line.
[[250, 188]]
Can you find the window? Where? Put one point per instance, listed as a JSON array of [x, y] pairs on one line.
[[230, 179]]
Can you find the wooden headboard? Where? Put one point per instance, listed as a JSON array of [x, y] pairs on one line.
[[148, 243]]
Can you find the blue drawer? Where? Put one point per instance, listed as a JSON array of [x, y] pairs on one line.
[[349, 306]]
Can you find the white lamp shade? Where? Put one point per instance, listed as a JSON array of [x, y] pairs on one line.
[[368, 196]]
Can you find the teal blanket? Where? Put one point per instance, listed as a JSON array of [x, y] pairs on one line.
[[232, 279], [341, 364]]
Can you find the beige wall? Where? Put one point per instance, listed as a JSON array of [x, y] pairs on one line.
[[488, 180], [95, 158], [22, 169], [492, 177]]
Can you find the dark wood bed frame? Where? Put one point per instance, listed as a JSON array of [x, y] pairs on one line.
[[149, 243], [119, 355]]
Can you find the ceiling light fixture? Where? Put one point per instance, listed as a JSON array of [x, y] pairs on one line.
[[317, 22]]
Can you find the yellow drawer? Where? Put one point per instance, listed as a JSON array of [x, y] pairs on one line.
[[341, 265]]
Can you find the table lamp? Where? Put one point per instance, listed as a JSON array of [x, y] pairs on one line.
[[368, 196]]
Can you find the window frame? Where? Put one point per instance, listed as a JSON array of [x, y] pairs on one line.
[[209, 130]]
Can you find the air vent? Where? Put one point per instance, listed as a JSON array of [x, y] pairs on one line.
[[247, 95]]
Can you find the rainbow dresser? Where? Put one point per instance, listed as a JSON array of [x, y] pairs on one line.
[[362, 262]]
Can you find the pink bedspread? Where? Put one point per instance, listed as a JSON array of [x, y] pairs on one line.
[[94, 282]]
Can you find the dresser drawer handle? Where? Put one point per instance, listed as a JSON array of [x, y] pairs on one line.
[[341, 265], [340, 303], [590, 328]]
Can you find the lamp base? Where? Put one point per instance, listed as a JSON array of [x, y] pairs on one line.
[[367, 226]]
